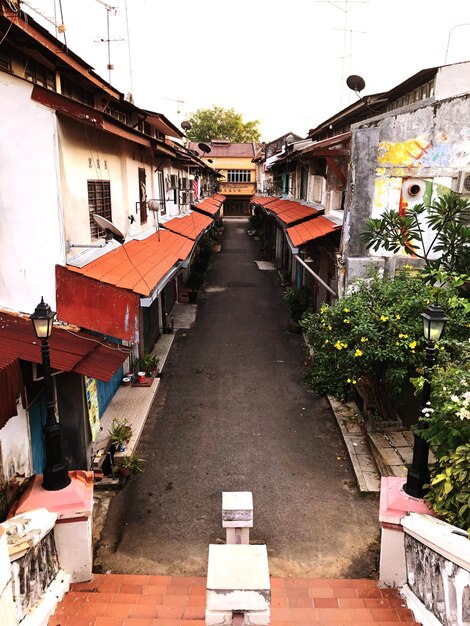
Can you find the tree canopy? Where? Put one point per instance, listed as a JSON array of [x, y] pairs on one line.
[[220, 123]]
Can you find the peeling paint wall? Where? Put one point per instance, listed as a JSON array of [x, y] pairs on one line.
[[441, 585], [15, 458], [429, 145], [33, 573]]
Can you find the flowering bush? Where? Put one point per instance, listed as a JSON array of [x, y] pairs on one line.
[[374, 336], [445, 422], [449, 492]]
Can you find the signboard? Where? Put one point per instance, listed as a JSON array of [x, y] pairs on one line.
[[243, 189], [93, 407]]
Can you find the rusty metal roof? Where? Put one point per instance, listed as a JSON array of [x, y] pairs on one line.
[[70, 351]]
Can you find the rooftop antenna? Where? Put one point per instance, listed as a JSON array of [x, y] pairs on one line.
[[108, 40], [345, 6], [179, 102], [59, 28]]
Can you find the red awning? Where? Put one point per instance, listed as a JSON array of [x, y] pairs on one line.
[[310, 230], [70, 351], [190, 226], [210, 206], [263, 200], [289, 211], [11, 384]]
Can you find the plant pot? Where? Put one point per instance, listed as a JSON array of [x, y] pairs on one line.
[[141, 377], [126, 382]]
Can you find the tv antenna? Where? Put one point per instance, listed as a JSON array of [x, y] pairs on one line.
[[59, 27], [179, 102], [114, 10], [345, 6]]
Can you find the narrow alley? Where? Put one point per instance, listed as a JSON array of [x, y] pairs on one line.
[[233, 413]]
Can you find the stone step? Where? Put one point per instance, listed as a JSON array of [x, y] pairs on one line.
[[146, 600]]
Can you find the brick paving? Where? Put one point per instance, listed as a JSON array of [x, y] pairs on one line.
[[145, 600]]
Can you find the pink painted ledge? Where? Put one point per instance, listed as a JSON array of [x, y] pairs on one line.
[[395, 503], [75, 500]]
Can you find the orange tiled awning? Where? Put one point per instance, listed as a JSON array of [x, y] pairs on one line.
[[190, 226], [139, 265], [263, 200], [290, 211], [210, 205], [310, 230]]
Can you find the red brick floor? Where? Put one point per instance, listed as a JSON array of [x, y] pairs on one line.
[[140, 600]]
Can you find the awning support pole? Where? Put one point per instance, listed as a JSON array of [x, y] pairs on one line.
[[317, 278]]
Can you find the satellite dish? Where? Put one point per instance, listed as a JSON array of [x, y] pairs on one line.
[[185, 125], [112, 232], [356, 83], [204, 148]]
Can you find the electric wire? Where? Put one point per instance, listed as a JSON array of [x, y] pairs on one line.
[[118, 349], [6, 34], [129, 49]]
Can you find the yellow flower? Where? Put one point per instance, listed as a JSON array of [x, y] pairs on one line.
[[345, 345], [364, 339], [349, 380], [402, 336], [412, 345], [329, 327], [346, 310], [397, 317], [346, 321], [358, 352], [338, 345], [354, 381], [397, 343], [383, 318]]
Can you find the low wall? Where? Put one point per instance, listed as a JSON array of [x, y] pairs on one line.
[[437, 557]]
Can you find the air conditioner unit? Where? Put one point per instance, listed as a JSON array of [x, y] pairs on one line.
[[464, 183], [173, 181]]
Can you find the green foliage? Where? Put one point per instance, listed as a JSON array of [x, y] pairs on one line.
[[133, 463], [220, 123], [448, 218], [299, 301], [148, 363], [120, 433], [445, 423], [374, 336], [449, 491]]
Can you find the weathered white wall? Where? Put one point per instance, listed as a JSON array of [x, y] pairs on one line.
[[31, 239], [15, 446]]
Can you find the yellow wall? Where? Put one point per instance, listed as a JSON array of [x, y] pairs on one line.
[[234, 163]]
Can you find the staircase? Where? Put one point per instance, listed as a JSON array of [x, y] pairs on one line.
[[141, 600]]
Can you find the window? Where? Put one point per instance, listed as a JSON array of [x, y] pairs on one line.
[[118, 114], [239, 176], [40, 75], [74, 92], [99, 201]]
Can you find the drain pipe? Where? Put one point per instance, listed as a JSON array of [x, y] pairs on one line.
[[317, 278]]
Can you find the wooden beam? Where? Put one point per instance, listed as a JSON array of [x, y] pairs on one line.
[[336, 169]]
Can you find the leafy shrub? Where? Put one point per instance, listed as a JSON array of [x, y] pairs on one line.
[[449, 491], [445, 423], [299, 301], [374, 336]]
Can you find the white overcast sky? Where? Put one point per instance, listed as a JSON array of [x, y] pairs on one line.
[[283, 62]]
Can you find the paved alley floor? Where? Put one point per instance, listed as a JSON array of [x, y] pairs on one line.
[[232, 413]]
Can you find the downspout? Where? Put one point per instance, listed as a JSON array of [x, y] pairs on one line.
[[317, 278]]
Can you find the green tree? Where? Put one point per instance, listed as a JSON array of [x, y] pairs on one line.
[[448, 218], [220, 123]]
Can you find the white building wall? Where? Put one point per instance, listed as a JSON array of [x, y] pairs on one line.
[[31, 227], [15, 446], [452, 80]]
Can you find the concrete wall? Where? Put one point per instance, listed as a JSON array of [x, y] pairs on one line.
[[429, 145]]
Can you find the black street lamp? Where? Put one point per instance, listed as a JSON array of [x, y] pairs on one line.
[[55, 473], [434, 320]]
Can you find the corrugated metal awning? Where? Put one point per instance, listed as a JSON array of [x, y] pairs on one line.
[[190, 226], [310, 230], [70, 351]]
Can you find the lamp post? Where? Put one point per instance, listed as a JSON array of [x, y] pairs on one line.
[[434, 320], [55, 473]]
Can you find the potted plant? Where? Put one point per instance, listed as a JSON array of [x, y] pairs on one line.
[[148, 364], [131, 464], [120, 435]]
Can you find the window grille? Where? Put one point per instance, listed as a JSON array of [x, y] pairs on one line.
[[99, 201]]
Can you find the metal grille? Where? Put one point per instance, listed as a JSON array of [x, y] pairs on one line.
[[99, 201]]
